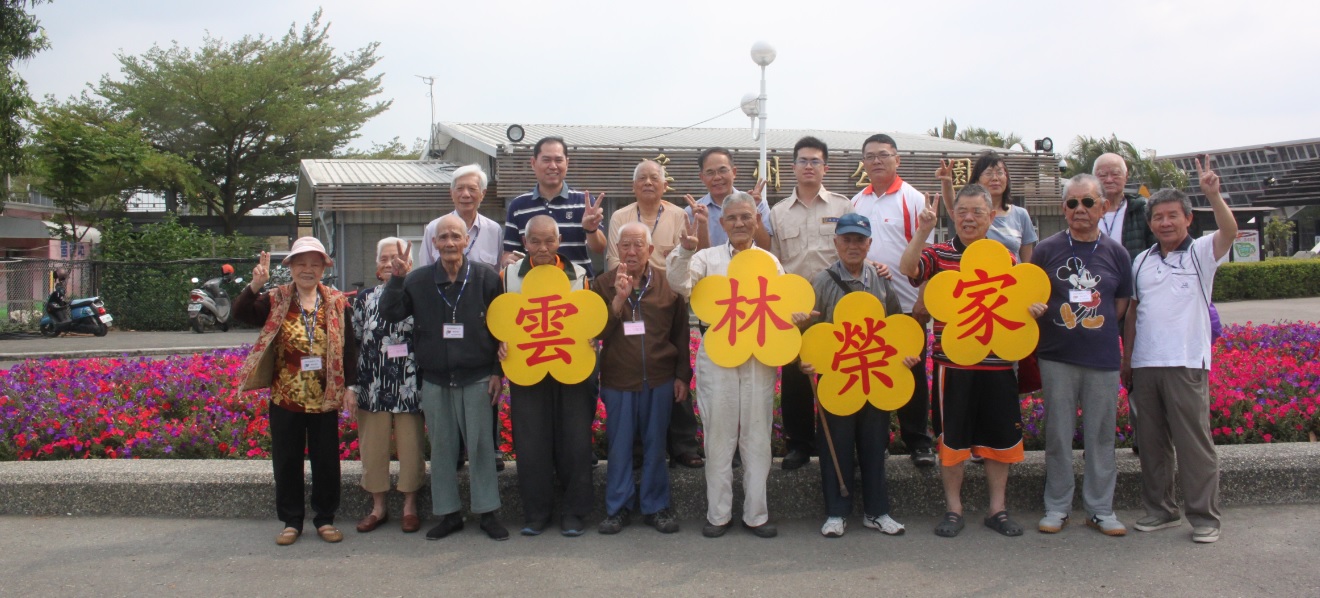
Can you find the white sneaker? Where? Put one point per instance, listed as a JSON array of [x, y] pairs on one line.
[[1205, 535], [834, 527], [885, 524], [1052, 522]]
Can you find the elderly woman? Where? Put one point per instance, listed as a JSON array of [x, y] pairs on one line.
[[387, 396], [305, 354]]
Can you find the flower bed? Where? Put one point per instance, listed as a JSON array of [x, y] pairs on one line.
[[1265, 388]]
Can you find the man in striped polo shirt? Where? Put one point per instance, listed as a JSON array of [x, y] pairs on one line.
[[579, 216], [978, 403]]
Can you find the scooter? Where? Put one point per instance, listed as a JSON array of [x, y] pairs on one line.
[[209, 305], [86, 315]]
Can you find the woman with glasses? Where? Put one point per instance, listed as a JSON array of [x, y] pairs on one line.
[[1012, 225]]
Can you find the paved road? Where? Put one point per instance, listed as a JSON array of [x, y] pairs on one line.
[[1306, 309], [1265, 551]]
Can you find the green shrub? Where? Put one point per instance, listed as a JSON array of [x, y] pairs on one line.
[[1270, 279]]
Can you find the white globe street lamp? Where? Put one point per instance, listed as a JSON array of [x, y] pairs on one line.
[[754, 105]]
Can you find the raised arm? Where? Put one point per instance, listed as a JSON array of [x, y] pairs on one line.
[[1228, 228], [908, 264]]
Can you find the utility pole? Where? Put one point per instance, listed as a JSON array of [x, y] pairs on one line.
[[430, 126]]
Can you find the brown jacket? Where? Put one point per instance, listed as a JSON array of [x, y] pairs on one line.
[[664, 351]]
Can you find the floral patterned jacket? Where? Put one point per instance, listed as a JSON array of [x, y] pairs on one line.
[[383, 383]]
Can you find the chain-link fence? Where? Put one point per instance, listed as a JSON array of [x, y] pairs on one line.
[[140, 295]]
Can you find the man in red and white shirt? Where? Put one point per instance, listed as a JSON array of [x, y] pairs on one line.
[[893, 207]]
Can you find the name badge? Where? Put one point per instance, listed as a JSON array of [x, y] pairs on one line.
[[311, 364], [454, 331], [1079, 296], [634, 328], [829, 220], [396, 351]]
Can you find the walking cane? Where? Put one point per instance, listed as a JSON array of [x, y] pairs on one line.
[[829, 440]]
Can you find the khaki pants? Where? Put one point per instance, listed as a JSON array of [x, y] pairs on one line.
[[1173, 426], [374, 429]]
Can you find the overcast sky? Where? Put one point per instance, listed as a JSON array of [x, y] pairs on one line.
[[1174, 76]]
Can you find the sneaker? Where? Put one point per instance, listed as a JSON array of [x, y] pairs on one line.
[[615, 523], [710, 530], [494, 530], [1205, 535], [663, 521], [923, 457], [571, 526], [534, 528], [885, 524], [794, 459], [834, 527], [1151, 523], [1108, 525], [1052, 522], [448, 524]]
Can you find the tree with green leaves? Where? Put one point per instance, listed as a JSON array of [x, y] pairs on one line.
[[245, 113], [89, 161], [1155, 174], [394, 150], [21, 37], [949, 130]]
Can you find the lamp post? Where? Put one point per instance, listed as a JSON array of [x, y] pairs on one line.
[[754, 106]]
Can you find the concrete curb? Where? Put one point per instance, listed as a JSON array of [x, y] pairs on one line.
[[1286, 473], [111, 353]]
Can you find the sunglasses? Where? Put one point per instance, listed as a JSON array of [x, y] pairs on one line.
[[1086, 201]]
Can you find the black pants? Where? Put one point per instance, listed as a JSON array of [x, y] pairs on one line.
[[552, 436], [859, 439], [798, 408], [318, 433], [683, 429], [914, 417]]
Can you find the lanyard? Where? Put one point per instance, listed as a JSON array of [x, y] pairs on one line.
[[454, 306], [309, 322], [657, 217], [472, 242], [637, 305], [1074, 252], [1109, 224]]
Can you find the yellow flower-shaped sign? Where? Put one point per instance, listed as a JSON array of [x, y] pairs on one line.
[[984, 305], [750, 311], [548, 328], [860, 355]]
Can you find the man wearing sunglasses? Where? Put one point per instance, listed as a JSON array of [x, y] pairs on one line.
[[1090, 285], [804, 224]]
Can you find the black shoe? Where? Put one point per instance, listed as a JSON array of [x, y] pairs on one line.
[[499, 464], [448, 524], [492, 527], [663, 521], [765, 530], [923, 457], [794, 459], [616, 522], [571, 526], [710, 530], [534, 528]]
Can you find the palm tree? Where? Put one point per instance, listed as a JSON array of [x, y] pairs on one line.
[[1084, 151], [949, 130], [991, 138]]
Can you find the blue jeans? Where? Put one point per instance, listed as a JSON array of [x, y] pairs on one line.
[[629, 413]]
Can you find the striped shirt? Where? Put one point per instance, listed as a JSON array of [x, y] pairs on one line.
[[566, 208], [938, 258]]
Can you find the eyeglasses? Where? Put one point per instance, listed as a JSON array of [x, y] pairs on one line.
[[1085, 201], [978, 212], [878, 156], [724, 170], [999, 173], [813, 162]]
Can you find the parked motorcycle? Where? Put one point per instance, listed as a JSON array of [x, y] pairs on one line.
[[209, 306], [86, 315]]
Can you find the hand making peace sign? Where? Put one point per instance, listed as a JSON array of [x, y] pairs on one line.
[[260, 273], [1209, 179], [593, 214], [691, 225], [402, 262], [930, 216]]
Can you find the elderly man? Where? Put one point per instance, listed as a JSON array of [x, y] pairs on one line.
[[460, 370], [804, 225], [551, 420], [737, 404], [1167, 366], [863, 437], [1125, 215], [578, 215], [644, 370], [718, 174], [893, 206], [467, 190], [1090, 284], [979, 404], [666, 224]]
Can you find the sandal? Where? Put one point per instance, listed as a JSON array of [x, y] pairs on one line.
[[1002, 524], [288, 536], [330, 533], [950, 526]]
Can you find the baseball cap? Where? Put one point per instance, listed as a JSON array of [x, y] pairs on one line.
[[853, 223]]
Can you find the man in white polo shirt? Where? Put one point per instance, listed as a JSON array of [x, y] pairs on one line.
[[467, 189], [893, 207], [1167, 366]]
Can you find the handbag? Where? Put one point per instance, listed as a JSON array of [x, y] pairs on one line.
[[1028, 374]]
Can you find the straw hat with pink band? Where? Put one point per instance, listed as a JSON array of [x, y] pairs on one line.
[[308, 245]]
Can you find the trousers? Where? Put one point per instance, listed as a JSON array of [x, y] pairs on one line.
[[1067, 387], [632, 414], [737, 411], [454, 415], [1173, 424], [552, 436], [860, 439], [292, 432]]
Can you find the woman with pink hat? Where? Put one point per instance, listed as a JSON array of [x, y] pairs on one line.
[[306, 355]]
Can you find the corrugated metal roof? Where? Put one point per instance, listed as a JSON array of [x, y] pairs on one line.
[[488, 136], [365, 178]]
